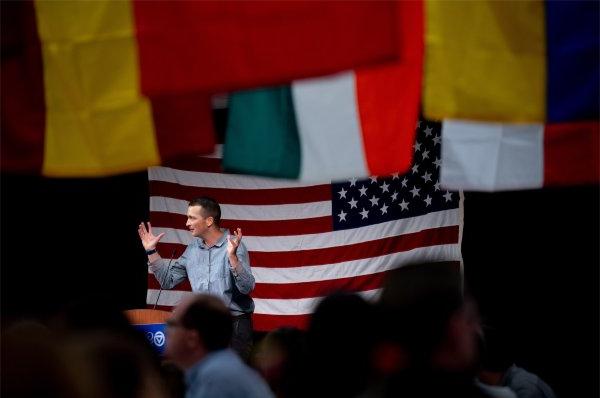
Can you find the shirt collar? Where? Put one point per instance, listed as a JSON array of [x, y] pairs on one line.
[[219, 243]]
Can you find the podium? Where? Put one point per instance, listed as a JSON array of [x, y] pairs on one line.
[[152, 324]]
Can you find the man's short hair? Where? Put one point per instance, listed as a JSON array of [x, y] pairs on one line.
[[210, 208], [209, 316]]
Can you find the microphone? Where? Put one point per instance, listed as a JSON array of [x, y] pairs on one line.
[[164, 278]]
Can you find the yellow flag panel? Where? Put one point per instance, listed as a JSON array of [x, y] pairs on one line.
[[97, 121], [485, 60]]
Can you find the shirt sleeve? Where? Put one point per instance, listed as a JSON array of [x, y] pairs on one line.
[[244, 280], [170, 273]]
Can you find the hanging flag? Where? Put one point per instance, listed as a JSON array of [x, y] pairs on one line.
[[517, 61], [485, 60], [494, 156], [356, 123], [71, 104], [306, 240], [227, 45]]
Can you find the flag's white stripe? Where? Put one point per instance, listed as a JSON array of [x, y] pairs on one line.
[[219, 180], [354, 268], [329, 128], [262, 306], [331, 239], [299, 306], [491, 156], [249, 212]]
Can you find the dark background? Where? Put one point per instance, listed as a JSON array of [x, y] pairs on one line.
[[531, 259]]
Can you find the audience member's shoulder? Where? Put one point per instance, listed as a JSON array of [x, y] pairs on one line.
[[527, 384]]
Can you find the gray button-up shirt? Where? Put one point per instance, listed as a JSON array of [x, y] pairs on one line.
[[222, 374], [209, 271]]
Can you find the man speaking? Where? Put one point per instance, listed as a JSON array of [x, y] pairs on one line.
[[216, 263]]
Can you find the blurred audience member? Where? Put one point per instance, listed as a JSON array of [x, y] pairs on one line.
[[280, 359], [105, 364], [499, 369], [198, 336], [432, 332], [340, 338], [30, 359]]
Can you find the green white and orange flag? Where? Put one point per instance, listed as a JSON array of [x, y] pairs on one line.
[[104, 87]]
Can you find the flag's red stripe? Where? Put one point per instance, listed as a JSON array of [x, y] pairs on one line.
[[357, 251], [571, 153], [318, 288], [265, 322], [299, 290], [196, 163], [190, 115], [167, 308], [183, 286], [274, 196], [337, 254], [313, 225], [22, 98]]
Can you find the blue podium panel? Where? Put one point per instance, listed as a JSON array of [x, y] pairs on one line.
[[156, 335]]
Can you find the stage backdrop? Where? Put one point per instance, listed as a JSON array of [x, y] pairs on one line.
[[308, 240]]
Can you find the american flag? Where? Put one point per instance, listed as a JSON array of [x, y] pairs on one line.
[[306, 240]]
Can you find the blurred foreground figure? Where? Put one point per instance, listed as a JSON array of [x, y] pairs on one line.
[[341, 336], [198, 336], [430, 339], [71, 363], [499, 369], [281, 358]]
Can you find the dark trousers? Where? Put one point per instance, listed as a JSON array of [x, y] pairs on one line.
[[241, 340]]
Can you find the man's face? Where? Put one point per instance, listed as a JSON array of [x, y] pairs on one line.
[[196, 223]]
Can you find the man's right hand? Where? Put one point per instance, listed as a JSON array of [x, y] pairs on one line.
[[147, 237]]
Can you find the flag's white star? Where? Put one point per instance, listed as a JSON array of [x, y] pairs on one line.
[[384, 209], [373, 179], [374, 201], [436, 186], [437, 162], [384, 187], [353, 181], [436, 140], [417, 146], [425, 154], [415, 191], [448, 196], [415, 169], [395, 176], [353, 203], [343, 193], [364, 214], [403, 205], [363, 191], [394, 196], [342, 216], [404, 181], [428, 131], [426, 176], [418, 124], [427, 200]]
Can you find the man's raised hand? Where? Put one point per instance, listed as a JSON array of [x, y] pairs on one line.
[[147, 237], [234, 242]]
